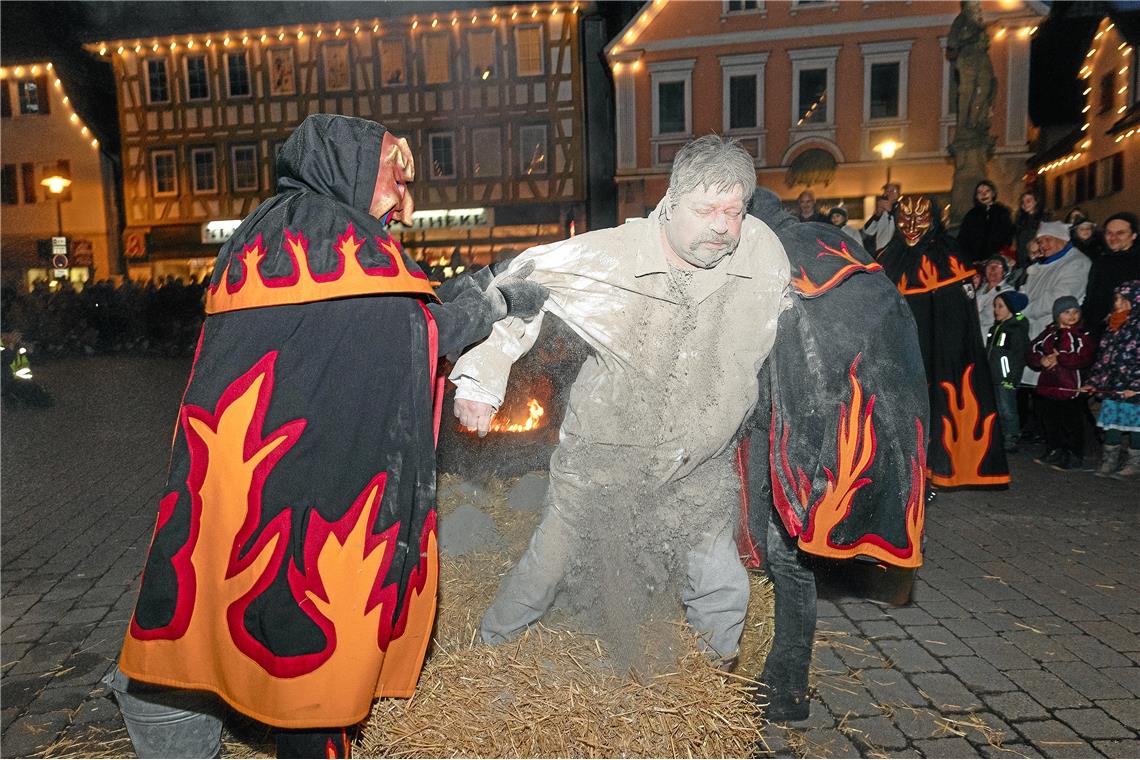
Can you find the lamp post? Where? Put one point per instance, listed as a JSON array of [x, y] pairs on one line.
[[56, 184], [887, 149]]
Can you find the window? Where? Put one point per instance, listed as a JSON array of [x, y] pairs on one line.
[[1107, 92], [737, 6], [164, 173], [282, 80], [885, 76], [157, 82], [486, 152], [528, 51], [204, 178], [337, 78], [237, 75], [393, 62], [1109, 175], [481, 54], [9, 192], [33, 95], [884, 90], [243, 162], [28, 179], [532, 150], [742, 102], [5, 99], [197, 78], [437, 58], [671, 83], [442, 148], [812, 100], [742, 76], [813, 87]]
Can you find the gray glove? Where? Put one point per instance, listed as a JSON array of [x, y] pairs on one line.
[[512, 295]]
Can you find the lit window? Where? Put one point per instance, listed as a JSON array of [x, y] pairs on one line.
[[532, 150], [487, 152], [481, 54], [237, 74], [243, 159], [33, 95], [157, 83], [437, 57], [197, 78], [393, 62], [205, 175], [528, 51], [164, 172], [442, 148]]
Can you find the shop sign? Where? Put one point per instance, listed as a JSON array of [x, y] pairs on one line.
[[452, 219], [219, 231]]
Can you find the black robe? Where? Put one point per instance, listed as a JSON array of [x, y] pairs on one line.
[[839, 436], [966, 448], [293, 568]]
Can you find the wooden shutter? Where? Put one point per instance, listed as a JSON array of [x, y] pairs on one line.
[[28, 178], [5, 98]]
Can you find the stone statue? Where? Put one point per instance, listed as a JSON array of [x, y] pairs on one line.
[[968, 48]]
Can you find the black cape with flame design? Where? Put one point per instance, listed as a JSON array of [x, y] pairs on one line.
[[293, 568], [966, 447], [838, 439]]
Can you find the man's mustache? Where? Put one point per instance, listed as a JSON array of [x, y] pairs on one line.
[[714, 238]]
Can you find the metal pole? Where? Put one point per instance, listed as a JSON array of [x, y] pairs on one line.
[[59, 216]]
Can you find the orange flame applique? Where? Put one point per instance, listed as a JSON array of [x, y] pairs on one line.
[[965, 446], [348, 278], [340, 589], [855, 453], [929, 279], [803, 283]]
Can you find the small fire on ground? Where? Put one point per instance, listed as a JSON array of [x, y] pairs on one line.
[[508, 423]]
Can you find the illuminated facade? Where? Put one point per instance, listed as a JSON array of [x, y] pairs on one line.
[[1097, 166], [42, 136], [810, 88], [490, 100]]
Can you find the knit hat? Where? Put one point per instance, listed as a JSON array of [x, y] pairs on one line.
[[838, 210], [1059, 230], [1064, 303], [1014, 301]]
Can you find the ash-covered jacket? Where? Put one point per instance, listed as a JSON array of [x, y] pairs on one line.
[[1074, 351], [1005, 347]]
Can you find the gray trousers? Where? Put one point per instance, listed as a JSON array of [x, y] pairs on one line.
[[167, 722], [715, 594]]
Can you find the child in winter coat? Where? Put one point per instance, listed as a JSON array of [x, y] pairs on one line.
[[1115, 378], [1059, 353], [1005, 346]]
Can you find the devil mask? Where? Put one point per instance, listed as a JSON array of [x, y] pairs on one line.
[[914, 218], [397, 168]]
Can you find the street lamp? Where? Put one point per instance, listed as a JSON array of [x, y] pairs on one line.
[[56, 184], [887, 149]]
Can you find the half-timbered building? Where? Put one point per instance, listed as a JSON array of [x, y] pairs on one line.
[[490, 100]]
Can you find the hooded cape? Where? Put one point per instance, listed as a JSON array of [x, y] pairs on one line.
[[966, 448], [839, 435], [293, 568]]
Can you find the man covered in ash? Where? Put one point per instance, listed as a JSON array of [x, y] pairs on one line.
[[680, 312]]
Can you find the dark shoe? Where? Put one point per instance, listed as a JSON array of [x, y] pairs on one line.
[[1051, 456], [779, 706], [1069, 462]]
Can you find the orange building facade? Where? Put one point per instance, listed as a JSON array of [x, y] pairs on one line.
[[811, 83]]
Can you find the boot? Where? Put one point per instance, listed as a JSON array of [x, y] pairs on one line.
[[1131, 468], [1109, 460], [778, 705]]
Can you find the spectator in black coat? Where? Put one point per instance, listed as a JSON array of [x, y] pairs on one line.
[[987, 228], [1119, 263]]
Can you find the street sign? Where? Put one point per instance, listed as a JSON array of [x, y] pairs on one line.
[[60, 273], [59, 245], [59, 260]]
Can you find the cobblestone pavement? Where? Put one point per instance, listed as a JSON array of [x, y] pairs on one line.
[[1023, 641]]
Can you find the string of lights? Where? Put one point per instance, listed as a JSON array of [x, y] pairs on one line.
[[246, 37], [34, 70]]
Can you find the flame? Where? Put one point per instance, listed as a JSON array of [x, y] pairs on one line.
[[855, 453], [928, 278], [809, 289], [533, 420], [966, 448], [348, 278], [206, 646]]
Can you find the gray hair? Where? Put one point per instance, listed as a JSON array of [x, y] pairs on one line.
[[714, 162]]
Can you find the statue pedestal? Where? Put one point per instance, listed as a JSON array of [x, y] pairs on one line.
[[970, 152]]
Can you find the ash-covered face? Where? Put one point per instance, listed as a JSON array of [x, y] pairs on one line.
[[914, 218], [397, 168], [703, 226]]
